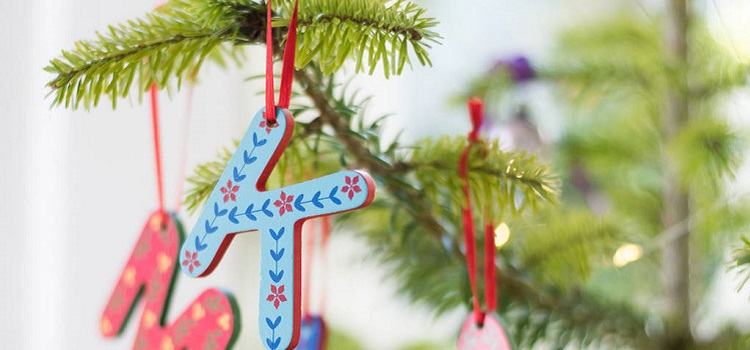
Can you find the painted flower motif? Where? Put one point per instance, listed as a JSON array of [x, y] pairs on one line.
[[351, 186], [268, 126], [106, 326], [191, 260], [224, 321], [277, 295], [284, 203], [149, 319], [198, 312], [229, 191], [167, 344]]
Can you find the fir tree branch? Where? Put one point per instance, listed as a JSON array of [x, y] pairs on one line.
[[205, 178], [332, 31], [614, 76], [169, 42], [422, 252], [624, 57], [173, 42], [741, 261], [431, 272], [416, 204], [563, 246], [306, 145], [496, 176]]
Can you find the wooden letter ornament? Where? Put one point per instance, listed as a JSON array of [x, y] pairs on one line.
[[240, 203], [210, 322]]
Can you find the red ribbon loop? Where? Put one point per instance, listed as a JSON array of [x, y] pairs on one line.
[[287, 70], [489, 266], [475, 111]]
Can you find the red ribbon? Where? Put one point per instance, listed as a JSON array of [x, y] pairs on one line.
[[489, 266], [157, 146], [475, 112], [287, 70]]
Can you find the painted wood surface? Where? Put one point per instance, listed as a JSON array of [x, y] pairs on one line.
[[240, 203], [312, 333], [490, 336], [149, 274]]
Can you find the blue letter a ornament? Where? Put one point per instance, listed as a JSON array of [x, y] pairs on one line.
[[240, 203]]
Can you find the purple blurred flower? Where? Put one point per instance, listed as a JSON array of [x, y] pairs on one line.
[[518, 66]]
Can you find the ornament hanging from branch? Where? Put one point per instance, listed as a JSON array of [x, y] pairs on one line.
[[482, 330], [240, 203], [209, 321]]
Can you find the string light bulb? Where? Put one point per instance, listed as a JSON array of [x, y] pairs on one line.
[[626, 254], [502, 234]]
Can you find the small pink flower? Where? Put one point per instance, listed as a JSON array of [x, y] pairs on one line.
[[229, 191], [191, 260], [277, 295], [351, 186], [284, 203]]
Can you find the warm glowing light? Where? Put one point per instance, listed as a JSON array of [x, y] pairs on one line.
[[627, 253], [502, 234], [727, 21]]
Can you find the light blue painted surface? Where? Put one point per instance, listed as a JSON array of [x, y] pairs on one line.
[[237, 205]]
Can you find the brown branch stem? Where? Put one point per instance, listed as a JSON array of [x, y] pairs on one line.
[[413, 200]]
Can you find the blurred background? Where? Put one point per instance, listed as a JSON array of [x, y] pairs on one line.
[[76, 187]]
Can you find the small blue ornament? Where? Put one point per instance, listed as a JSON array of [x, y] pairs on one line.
[[312, 333]]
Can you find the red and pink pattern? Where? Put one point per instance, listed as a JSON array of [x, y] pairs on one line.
[[490, 336], [208, 323]]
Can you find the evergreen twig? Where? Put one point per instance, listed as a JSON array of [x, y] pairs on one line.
[[173, 42]]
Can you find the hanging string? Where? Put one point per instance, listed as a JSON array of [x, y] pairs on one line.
[[324, 224], [466, 213], [489, 266], [270, 105], [309, 235], [185, 143], [157, 146], [325, 228], [475, 112], [290, 50], [154, 93], [287, 70]]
